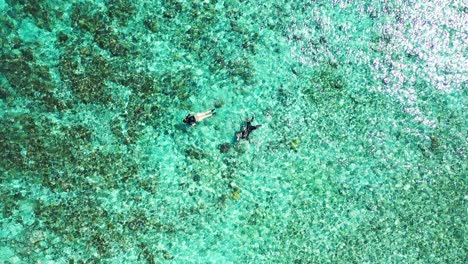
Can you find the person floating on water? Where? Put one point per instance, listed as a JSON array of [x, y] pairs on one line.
[[192, 120], [245, 132]]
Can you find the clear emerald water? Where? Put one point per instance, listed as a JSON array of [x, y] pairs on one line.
[[361, 157]]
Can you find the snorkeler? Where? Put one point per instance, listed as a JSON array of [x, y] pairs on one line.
[[192, 120], [245, 132]]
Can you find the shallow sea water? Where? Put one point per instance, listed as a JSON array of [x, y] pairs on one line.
[[361, 157]]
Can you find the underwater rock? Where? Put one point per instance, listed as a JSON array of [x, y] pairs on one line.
[[235, 194], [41, 13], [121, 10], [241, 68], [4, 94], [219, 103], [84, 18], [435, 143], [109, 40], [236, 191], [149, 184], [225, 147], [195, 153], [294, 144], [151, 24], [196, 177], [242, 148], [172, 8], [177, 83], [62, 37]]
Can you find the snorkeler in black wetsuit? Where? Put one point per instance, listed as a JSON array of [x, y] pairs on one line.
[[245, 132], [192, 120]]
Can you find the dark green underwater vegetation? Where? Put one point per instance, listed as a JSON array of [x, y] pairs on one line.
[[84, 102], [47, 148]]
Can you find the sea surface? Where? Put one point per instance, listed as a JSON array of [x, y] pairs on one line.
[[361, 156]]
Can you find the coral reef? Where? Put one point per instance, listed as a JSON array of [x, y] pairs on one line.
[[121, 10], [225, 147], [359, 149]]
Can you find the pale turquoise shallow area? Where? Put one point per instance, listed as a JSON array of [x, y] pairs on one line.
[[361, 157]]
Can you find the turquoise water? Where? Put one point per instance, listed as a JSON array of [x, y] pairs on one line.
[[361, 157]]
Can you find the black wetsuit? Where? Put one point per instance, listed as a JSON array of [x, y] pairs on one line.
[[190, 120], [245, 133]]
